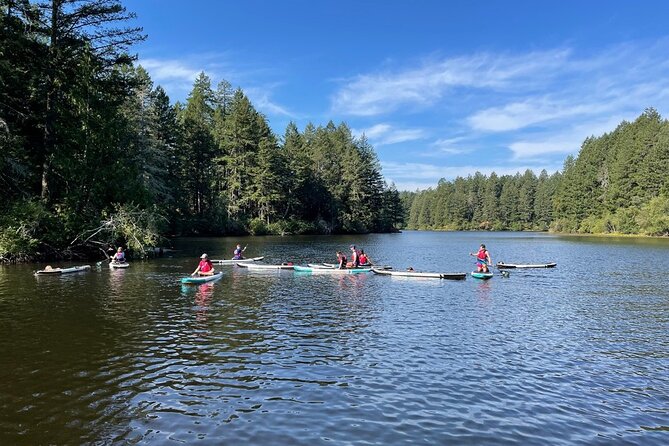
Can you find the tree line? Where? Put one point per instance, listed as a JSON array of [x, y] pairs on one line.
[[93, 154], [618, 183]]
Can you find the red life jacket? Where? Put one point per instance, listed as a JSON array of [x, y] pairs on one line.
[[206, 266]]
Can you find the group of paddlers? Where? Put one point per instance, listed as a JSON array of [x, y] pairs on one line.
[[358, 259]]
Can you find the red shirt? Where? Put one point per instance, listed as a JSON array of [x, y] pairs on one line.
[[205, 265]]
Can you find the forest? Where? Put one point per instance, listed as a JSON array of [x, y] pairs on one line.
[[618, 184], [94, 155]]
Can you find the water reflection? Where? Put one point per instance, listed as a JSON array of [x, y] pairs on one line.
[[484, 289]]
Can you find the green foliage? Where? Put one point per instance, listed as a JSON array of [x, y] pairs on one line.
[[617, 184], [653, 218], [134, 227], [21, 230], [93, 154]]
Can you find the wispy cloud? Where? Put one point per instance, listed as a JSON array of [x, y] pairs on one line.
[[386, 134], [451, 146], [530, 112], [162, 70], [385, 92], [563, 141], [261, 99], [177, 77], [412, 176]]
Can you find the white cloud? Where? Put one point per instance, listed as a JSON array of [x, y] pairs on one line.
[[451, 146], [564, 141], [374, 94], [412, 176], [532, 149], [260, 97], [386, 134], [177, 77], [529, 112], [162, 70]]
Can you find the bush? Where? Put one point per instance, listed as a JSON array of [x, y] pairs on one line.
[[21, 227], [653, 218], [257, 226], [564, 225]]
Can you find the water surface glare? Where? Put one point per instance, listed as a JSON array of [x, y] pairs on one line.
[[578, 354]]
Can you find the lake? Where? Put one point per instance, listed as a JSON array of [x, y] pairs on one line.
[[578, 354]]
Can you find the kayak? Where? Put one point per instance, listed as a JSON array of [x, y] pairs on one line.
[[118, 265], [263, 266], [307, 269], [481, 275], [73, 269], [502, 265], [450, 276], [201, 279], [234, 262]]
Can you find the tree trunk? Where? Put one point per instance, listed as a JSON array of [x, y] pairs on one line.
[[49, 116]]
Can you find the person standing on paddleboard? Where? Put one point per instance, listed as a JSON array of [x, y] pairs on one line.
[[482, 259], [205, 267]]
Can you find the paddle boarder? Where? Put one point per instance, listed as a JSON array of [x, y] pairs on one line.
[[364, 260], [238, 253], [119, 256], [341, 259], [205, 267], [482, 259], [355, 257]]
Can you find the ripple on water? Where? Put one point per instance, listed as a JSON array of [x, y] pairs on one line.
[[543, 357]]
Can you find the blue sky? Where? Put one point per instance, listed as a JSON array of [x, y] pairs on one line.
[[440, 88]]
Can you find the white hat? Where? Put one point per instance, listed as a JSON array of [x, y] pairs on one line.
[[204, 256]]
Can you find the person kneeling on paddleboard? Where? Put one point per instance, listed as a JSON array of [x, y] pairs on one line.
[[364, 260], [119, 257], [205, 267], [341, 259], [355, 257], [482, 259], [237, 254]]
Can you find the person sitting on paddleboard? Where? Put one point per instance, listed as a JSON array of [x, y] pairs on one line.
[[364, 260], [341, 258], [355, 257], [237, 254], [119, 256], [205, 267], [482, 259]]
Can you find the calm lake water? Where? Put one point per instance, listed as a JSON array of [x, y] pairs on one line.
[[578, 354]]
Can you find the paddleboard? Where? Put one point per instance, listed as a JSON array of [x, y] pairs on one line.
[[263, 266], [502, 265], [449, 276], [307, 269], [54, 271], [201, 279], [234, 262]]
